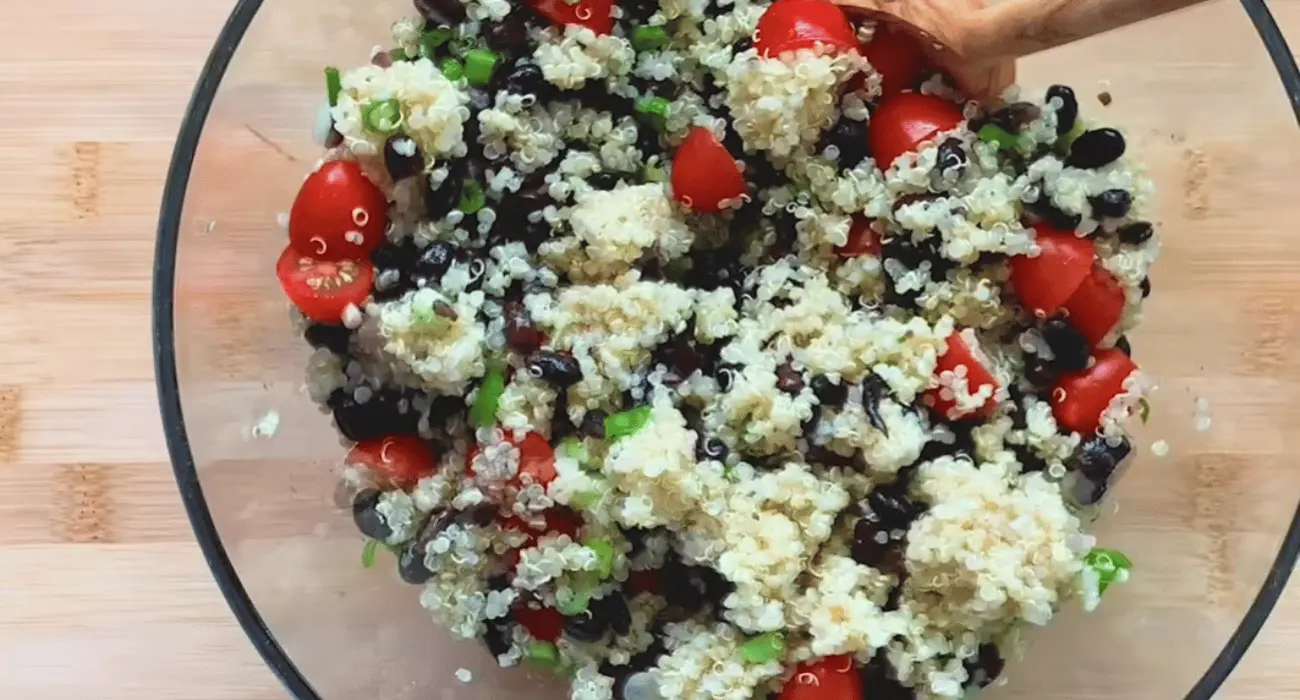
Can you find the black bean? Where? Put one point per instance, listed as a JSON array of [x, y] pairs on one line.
[[647, 141], [411, 567], [367, 517], [679, 354], [829, 393], [714, 585], [1029, 461], [849, 137], [1052, 215], [442, 200], [395, 256], [879, 682], [726, 376], [556, 368], [1097, 459], [441, 12], [378, 417], [1015, 116], [526, 79], [712, 449], [435, 260], [824, 455], [1123, 345], [521, 336], [1136, 233], [411, 563], [593, 424], [789, 379], [333, 139], [986, 666], [892, 506], [1041, 373], [585, 627], [1096, 148], [1070, 349], [508, 34], [614, 611], [874, 391], [335, 338], [679, 587], [1145, 286], [1069, 110], [1113, 203], [952, 154], [402, 157], [867, 549], [497, 636]]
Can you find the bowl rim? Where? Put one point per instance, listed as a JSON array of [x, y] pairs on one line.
[[186, 474]]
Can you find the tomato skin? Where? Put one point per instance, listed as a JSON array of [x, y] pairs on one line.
[[827, 678], [536, 459], [1045, 282], [959, 354], [896, 56], [905, 121], [545, 624], [790, 25], [558, 521], [642, 581], [704, 173], [333, 202], [862, 240], [596, 15], [1097, 305], [403, 459], [1079, 398], [323, 304]]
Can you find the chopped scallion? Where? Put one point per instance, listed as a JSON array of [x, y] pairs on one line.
[[587, 500], [472, 198], [432, 40], [992, 133], [647, 38], [333, 85], [398, 53], [484, 411], [572, 602], [461, 46], [763, 648], [452, 69], [654, 172], [1063, 143], [368, 553], [625, 423], [604, 552], [1110, 565], [1144, 410], [480, 64], [576, 450], [543, 654], [654, 109], [382, 117]]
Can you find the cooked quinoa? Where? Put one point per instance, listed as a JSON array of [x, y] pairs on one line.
[[682, 453]]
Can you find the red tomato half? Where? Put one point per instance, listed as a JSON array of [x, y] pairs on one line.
[[959, 354], [536, 459], [558, 521], [338, 214], [862, 240], [704, 173], [790, 25], [404, 459], [596, 15], [1046, 281], [896, 56], [1079, 398], [642, 581], [1097, 305], [904, 122], [827, 678], [323, 289], [545, 624]]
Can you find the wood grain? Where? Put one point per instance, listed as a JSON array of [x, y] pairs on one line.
[[104, 593]]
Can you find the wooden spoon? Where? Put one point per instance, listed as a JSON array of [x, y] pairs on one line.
[[978, 43]]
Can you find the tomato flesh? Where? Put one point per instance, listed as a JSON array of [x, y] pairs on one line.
[[596, 15], [959, 354], [403, 459], [904, 122], [862, 240], [536, 459], [545, 624], [338, 214], [704, 173], [827, 678], [790, 25], [1079, 398], [896, 56], [1097, 305], [323, 289], [1046, 281]]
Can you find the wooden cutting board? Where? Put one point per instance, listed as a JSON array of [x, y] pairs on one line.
[[103, 593]]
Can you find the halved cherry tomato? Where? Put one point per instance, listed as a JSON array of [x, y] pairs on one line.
[[862, 240], [1079, 398], [896, 56], [905, 121], [959, 353], [557, 521], [1046, 281], [596, 15], [790, 25], [545, 624], [704, 173], [1097, 305], [642, 581], [338, 214], [536, 459], [322, 289], [827, 678], [404, 459]]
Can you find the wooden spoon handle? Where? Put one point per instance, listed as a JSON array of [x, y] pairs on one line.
[[1021, 27]]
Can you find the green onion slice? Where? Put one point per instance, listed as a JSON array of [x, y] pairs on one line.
[[576, 450], [432, 40], [480, 64], [452, 69], [472, 197], [544, 654], [574, 603], [333, 85], [368, 553], [654, 109], [484, 411], [398, 53], [627, 423], [992, 133], [1110, 565], [604, 552], [763, 648], [647, 38], [383, 117], [654, 172], [1144, 410]]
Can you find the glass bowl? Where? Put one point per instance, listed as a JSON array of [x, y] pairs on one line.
[[1211, 526]]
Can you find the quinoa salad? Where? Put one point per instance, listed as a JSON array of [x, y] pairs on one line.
[[720, 349]]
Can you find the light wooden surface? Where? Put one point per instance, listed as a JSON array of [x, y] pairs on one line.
[[103, 593]]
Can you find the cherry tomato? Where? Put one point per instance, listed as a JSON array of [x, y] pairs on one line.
[[1097, 305], [704, 173], [536, 459], [827, 678], [862, 240], [642, 581], [1079, 398], [790, 25], [1046, 281], [896, 56], [338, 214], [905, 121], [404, 459], [322, 289], [558, 521], [959, 354], [596, 15], [545, 624]]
